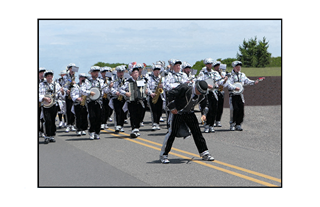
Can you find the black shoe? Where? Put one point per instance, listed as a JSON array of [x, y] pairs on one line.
[[46, 140], [238, 128], [133, 135], [52, 140]]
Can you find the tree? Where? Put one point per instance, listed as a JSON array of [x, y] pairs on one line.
[[248, 52], [263, 56], [253, 53]]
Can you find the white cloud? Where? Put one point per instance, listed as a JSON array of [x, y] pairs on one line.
[[86, 42]]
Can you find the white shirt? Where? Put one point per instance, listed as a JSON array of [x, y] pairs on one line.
[[46, 88], [174, 79]]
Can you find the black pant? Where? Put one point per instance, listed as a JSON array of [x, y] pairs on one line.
[[220, 105], [156, 110], [50, 120], [40, 121], [81, 117], [143, 112], [213, 108], [106, 111], [135, 109], [70, 115], [192, 122], [94, 109], [238, 109], [119, 113]]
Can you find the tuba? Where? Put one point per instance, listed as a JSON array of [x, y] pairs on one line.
[[158, 92]]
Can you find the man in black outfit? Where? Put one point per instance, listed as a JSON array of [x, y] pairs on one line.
[[181, 102]]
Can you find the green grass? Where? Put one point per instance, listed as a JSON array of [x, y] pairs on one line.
[[259, 72]]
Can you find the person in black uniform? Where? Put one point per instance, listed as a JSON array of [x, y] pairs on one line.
[[117, 100], [181, 102], [135, 90], [40, 120], [48, 93]]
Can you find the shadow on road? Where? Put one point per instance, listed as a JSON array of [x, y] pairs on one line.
[[172, 161]]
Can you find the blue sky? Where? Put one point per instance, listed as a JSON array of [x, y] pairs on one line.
[[86, 42]]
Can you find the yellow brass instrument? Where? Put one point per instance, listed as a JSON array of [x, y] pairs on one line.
[[120, 97], [107, 82], [83, 102], [158, 92]]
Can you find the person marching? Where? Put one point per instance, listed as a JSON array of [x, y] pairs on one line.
[[186, 69], [40, 120], [206, 74], [80, 108], [156, 96], [94, 106], [70, 77], [62, 102], [106, 110], [236, 101], [48, 95], [145, 79], [220, 93], [182, 101], [135, 90], [175, 77], [117, 100]]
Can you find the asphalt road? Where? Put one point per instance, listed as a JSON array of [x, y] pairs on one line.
[[251, 158]]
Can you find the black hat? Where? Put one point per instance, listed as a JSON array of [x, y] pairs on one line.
[[201, 86]]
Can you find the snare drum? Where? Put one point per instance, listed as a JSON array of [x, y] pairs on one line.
[[239, 85], [96, 95]]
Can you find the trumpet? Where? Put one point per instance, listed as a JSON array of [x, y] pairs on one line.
[[158, 92]]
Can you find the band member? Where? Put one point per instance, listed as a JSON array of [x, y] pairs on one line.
[[80, 108], [135, 90], [236, 101], [40, 120], [117, 100], [145, 79], [186, 69], [106, 110], [220, 93], [156, 96], [94, 106], [176, 77], [70, 77], [48, 92], [182, 100], [214, 80], [172, 80], [62, 102]]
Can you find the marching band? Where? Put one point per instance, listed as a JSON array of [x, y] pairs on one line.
[[175, 90]]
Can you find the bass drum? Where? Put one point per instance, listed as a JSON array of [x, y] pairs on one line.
[[239, 85], [96, 95]]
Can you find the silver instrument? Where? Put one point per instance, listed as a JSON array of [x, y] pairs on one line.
[[239, 85], [97, 94], [131, 91]]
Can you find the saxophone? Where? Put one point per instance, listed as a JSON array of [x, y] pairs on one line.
[[83, 100], [158, 92]]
